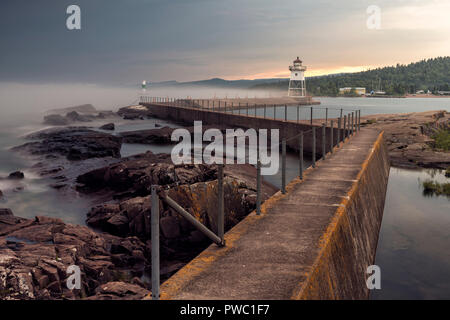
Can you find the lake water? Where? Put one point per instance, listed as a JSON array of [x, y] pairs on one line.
[[414, 245]]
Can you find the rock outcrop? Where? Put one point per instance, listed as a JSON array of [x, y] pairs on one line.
[[108, 126], [35, 255], [75, 143], [409, 137]]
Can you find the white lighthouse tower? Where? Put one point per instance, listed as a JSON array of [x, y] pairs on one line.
[[297, 87]]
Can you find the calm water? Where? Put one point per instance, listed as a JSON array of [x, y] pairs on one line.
[[368, 106], [414, 244]]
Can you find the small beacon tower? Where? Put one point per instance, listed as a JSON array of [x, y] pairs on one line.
[[297, 87]]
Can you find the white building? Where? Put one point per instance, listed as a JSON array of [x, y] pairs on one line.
[[297, 86], [358, 90]]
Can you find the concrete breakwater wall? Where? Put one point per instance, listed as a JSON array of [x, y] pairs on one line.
[[314, 242], [208, 117], [349, 244]]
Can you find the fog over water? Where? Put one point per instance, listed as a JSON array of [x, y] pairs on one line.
[[414, 246]]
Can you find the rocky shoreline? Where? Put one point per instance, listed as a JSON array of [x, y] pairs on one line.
[[409, 137], [113, 252]]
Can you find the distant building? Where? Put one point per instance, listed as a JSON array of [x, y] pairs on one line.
[[297, 86], [358, 90]]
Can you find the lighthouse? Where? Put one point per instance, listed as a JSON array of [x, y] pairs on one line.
[[297, 86]]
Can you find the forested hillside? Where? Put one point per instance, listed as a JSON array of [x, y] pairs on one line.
[[432, 74]]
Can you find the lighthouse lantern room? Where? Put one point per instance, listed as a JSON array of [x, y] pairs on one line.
[[297, 86]]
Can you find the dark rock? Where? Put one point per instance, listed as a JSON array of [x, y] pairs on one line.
[[134, 176], [84, 108], [120, 291], [170, 227], [157, 125], [162, 136], [134, 112], [74, 144], [108, 126], [17, 175], [55, 120], [76, 117], [35, 254], [5, 212]]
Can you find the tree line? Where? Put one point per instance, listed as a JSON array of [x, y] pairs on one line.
[[431, 74]]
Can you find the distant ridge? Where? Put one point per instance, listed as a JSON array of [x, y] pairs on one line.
[[215, 82]]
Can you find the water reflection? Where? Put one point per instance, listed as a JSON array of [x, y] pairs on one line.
[[414, 246]]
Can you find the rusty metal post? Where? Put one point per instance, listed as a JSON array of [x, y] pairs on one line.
[[220, 195], [331, 135], [324, 141], [301, 155], [344, 132], [313, 147], [283, 166], [339, 132], [258, 187], [155, 243]]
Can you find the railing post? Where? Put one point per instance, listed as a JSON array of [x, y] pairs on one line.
[[213, 104], [298, 113], [311, 116], [353, 124], [285, 112], [301, 156], [155, 243], [225, 107], [265, 110], [341, 113], [239, 108], [339, 131], [255, 109], [247, 109], [258, 187], [331, 136], [359, 120], [274, 112], [220, 217], [344, 132], [326, 116], [283, 166], [313, 147], [324, 140]]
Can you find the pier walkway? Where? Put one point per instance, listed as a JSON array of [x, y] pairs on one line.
[[314, 242]]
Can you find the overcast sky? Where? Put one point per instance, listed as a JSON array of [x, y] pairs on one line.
[[124, 42]]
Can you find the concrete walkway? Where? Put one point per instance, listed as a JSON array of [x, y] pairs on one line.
[[268, 257]]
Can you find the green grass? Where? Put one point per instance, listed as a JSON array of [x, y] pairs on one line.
[[434, 188], [442, 139]]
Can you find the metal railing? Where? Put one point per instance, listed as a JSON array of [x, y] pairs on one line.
[[283, 112], [347, 125]]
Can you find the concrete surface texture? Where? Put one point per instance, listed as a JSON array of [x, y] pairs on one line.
[[314, 242]]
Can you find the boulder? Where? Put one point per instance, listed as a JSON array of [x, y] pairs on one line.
[[55, 120], [120, 291], [5, 212], [108, 126], [17, 175]]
